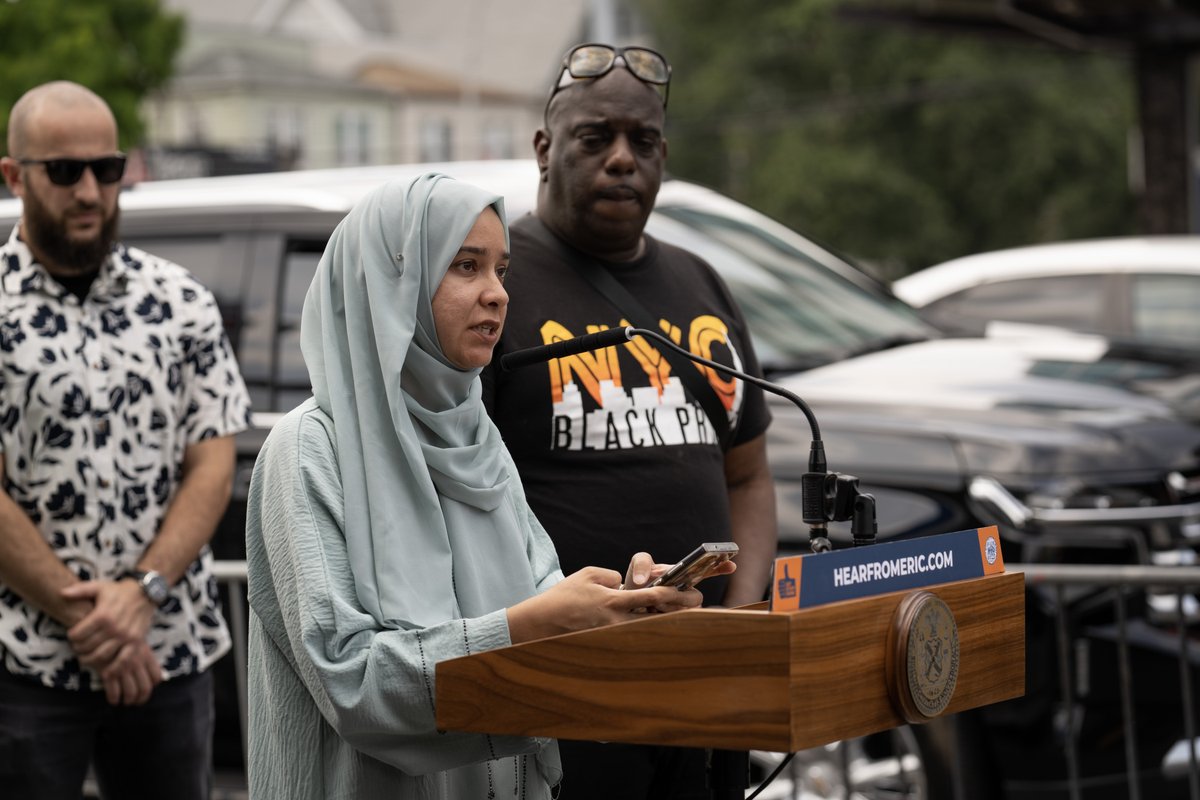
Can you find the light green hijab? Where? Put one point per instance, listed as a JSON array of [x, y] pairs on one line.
[[423, 468]]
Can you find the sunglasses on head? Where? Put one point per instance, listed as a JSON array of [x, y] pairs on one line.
[[597, 60], [68, 171]]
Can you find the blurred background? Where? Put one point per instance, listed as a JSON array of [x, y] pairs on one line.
[[899, 132], [893, 134]]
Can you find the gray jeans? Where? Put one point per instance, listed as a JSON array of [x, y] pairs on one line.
[[162, 749]]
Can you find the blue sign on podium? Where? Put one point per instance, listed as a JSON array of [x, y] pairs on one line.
[[821, 578]]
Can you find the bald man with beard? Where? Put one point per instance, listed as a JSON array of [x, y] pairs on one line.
[[119, 400]]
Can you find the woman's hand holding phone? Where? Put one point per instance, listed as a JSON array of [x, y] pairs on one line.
[[586, 599], [707, 560], [594, 596]]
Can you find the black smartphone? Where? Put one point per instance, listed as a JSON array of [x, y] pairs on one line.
[[696, 565]]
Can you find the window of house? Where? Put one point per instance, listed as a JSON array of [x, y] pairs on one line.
[[353, 138], [434, 140], [497, 140], [285, 130], [195, 123]]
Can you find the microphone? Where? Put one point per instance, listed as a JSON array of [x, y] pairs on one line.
[[824, 496], [567, 347]]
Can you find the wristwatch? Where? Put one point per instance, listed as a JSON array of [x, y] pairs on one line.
[[153, 584]]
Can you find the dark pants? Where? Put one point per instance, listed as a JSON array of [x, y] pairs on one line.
[[594, 771], [162, 749]]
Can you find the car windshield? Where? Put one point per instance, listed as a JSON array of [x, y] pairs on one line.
[[801, 313]]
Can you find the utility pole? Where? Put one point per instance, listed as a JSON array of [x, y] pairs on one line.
[[1168, 136]]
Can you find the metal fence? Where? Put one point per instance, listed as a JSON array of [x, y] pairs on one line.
[[1120, 582], [1116, 583], [232, 575]]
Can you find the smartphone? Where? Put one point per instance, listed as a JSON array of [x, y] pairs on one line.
[[696, 565]]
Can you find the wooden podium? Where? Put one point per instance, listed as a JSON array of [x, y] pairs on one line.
[[736, 679]]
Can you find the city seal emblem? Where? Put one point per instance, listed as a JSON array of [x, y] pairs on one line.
[[990, 551], [922, 668]]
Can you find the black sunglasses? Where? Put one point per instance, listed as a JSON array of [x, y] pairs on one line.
[[68, 171], [596, 60]]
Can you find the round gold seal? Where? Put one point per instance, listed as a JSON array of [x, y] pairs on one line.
[[923, 665]]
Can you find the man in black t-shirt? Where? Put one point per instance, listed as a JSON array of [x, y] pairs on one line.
[[616, 454]]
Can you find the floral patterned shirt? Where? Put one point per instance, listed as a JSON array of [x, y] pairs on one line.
[[98, 402]]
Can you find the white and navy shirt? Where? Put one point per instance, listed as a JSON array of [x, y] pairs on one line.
[[99, 399]]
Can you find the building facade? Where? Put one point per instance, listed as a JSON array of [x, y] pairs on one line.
[[300, 84]]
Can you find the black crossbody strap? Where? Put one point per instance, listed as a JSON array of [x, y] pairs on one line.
[[619, 296]]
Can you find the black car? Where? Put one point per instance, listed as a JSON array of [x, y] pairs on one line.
[[946, 433]]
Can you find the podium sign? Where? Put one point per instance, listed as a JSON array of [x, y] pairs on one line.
[[817, 579]]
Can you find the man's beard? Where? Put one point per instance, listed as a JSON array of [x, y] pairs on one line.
[[48, 238]]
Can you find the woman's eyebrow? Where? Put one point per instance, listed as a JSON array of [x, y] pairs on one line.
[[479, 251]]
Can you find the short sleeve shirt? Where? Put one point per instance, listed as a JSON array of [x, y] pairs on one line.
[[99, 401], [615, 454]]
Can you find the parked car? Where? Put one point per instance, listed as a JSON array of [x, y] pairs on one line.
[[1140, 293], [946, 433], [1140, 288]]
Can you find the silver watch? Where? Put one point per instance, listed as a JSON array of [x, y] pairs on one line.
[[153, 584]]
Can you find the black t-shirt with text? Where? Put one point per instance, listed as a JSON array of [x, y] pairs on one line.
[[614, 454]]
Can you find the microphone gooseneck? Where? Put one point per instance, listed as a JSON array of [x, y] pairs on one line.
[[567, 347], [765, 385], [825, 496], [812, 483]]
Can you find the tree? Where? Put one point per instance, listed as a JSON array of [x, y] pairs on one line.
[[120, 49], [900, 147]]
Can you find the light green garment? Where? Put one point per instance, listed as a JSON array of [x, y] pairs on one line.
[[338, 707], [386, 530]]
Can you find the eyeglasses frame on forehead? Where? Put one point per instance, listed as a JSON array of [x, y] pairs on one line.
[[617, 53], [106, 169]]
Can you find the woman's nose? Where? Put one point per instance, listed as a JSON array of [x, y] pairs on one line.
[[495, 293]]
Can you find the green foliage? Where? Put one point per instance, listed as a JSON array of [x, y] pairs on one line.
[[120, 49], [901, 147]]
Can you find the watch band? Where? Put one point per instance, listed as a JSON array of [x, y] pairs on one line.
[[153, 585]]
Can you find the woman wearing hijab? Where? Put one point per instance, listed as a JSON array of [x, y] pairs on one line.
[[387, 529]]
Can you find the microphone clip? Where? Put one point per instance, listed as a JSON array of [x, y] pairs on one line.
[[833, 497]]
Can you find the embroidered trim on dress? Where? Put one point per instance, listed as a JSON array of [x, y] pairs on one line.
[[425, 673]]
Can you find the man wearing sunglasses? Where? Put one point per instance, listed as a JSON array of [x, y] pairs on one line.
[[617, 450], [119, 399]]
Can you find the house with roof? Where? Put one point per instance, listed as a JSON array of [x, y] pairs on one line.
[[299, 84]]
